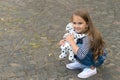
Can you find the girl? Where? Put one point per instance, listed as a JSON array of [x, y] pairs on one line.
[[88, 50]]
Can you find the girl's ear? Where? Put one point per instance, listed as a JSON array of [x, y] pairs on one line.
[[87, 25]]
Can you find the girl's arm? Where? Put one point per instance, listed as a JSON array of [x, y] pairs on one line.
[[61, 42], [70, 39], [80, 51]]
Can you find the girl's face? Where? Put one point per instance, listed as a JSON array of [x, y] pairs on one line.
[[79, 24]]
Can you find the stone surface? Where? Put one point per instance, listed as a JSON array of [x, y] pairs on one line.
[[30, 30]]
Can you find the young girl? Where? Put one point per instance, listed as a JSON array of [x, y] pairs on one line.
[[89, 49]]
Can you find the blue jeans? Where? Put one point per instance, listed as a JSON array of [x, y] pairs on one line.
[[88, 60]]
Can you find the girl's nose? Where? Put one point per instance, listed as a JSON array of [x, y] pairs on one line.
[[76, 25]]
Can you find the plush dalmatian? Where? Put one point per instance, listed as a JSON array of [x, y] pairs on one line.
[[66, 48]]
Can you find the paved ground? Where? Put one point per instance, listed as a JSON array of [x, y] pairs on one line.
[[30, 30]]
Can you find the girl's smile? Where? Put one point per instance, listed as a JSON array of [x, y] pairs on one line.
[[79, 24]]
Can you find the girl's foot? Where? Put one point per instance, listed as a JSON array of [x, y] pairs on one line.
[[87, 72], [75, 65]]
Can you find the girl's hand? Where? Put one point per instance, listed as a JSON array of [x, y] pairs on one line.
[[62, 42], [70, 38]]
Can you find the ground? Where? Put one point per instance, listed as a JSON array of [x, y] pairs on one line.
[[31, 29]]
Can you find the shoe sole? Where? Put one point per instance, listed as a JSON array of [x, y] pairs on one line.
[[73, 68], [87, 76]]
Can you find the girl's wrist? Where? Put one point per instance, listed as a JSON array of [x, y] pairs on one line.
[[71, 42], [75, 47]]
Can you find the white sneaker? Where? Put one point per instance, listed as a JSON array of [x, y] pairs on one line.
[[87, 72], [75, 65]]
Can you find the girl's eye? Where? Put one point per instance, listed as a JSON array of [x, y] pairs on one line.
[[79, 23], [74, 22]]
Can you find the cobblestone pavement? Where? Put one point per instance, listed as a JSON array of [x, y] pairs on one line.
[[30, 30]]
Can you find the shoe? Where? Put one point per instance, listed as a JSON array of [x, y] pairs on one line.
[[75, 65], [87, 72]]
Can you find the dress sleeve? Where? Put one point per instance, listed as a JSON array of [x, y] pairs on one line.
[[83, 50]]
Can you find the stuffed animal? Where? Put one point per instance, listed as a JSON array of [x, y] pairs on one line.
[[66, 49]]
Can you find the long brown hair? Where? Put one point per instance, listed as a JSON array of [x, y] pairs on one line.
[[96, 42]]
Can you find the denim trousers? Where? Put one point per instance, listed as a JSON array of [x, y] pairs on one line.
[[88, 60]]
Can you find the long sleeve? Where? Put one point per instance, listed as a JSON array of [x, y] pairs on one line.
[[83, 50]]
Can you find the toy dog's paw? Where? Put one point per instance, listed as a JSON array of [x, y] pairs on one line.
[[62, 56], [72, 59]]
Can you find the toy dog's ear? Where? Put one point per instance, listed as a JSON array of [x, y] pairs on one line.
[[69, 27]]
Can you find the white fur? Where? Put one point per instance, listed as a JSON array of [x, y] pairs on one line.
[[66, 48]]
